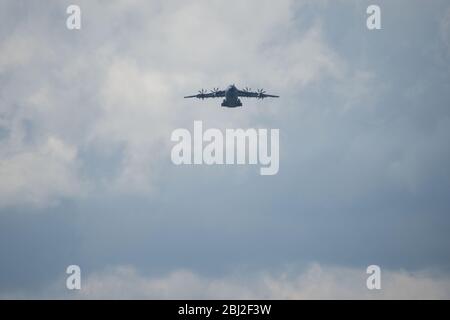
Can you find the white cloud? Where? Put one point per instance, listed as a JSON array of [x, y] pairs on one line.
[[314, 282], [16, 50], [116, 83], [38, 175]]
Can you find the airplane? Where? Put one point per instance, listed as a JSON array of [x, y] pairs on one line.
[[231, 95]]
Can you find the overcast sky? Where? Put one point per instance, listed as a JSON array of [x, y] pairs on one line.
[[86, 176]]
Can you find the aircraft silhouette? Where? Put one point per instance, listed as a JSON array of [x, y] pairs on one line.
[[231, 95]]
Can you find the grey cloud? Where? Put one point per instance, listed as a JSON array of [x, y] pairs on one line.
[[104, 89], [313, 282], [88, 115]]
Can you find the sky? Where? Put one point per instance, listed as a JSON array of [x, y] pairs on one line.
[[86, 176]]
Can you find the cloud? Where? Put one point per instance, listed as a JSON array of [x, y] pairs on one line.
[[314, 282], [116, 85], [38, 175], [87, 115], [15, 51]]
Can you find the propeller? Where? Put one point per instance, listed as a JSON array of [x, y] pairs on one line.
[[247, 90], [215, 90], [202, 93], [261, 93]]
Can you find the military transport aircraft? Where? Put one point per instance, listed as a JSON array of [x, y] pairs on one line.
[[231, 95]]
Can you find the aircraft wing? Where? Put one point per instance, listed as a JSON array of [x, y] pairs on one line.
[[202, 94], [259, 94]]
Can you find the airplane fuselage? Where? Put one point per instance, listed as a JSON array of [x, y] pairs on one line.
[[231, 98]]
